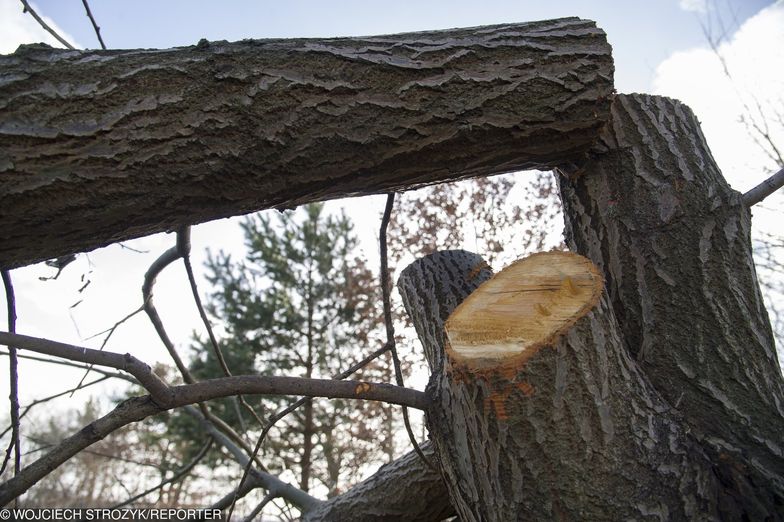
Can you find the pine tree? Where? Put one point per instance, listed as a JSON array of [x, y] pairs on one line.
[[301, 303]]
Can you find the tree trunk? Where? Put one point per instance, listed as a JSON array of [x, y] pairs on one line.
[[652, 209], [575, 433], [104, 146]]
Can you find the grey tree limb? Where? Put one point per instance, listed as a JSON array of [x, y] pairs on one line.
[[102, 146], [764, 189]]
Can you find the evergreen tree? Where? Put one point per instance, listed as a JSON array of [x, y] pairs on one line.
[[301, 303]]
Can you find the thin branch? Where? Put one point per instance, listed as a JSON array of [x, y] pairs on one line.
[[104, 342], [177, 475], [764, 189], [28, 9], [13, 368], [95, 26], [168, 397], [115, 375], [281, 414], [52, 397], [158, 389], [266, 500], [164, 260], [246, 487], [296, 496], [390, 327], [184, 247], [157, 266]]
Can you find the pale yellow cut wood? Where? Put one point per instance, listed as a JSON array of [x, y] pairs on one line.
[[522, 308]]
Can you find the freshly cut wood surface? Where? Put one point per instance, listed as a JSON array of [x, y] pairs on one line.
[[522, 308]]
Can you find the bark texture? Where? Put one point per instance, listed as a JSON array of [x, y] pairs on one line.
[[577, 434], [103, 146], [405, 489], [652, 209]]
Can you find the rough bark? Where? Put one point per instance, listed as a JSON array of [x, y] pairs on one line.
[[652, 209], [405, 489], [102, 146], [579, 434]]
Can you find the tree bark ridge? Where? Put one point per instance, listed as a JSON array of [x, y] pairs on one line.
[[652, 209], [103, 146]]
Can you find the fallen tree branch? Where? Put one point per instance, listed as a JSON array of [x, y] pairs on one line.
[[155, 140]]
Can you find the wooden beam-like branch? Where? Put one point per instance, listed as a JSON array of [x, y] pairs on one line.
[[102, 146]]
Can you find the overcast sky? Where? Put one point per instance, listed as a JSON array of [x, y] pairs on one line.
[[658, 46]]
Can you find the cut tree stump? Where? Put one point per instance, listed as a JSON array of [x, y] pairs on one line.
[[546, 417]]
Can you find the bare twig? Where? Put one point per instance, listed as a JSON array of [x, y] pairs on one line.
[[390, 327], [273, 484], [246, 487], [159, 390], [184, 247], [764, 189], [95, 26], [115, 375], [281, 414], [164, 260], [177, 475], [52, 397], [28, 9], [104, 342], [266, 500], [14, 378]]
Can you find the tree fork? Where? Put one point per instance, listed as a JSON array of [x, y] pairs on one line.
[[104, 146], [551, 419], [652, 209]]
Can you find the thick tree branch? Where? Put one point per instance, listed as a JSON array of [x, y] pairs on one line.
[[405, 489], [128, 143]]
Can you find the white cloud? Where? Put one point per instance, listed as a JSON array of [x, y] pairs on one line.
[[697, 6], [17, 28], [753, 56]]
